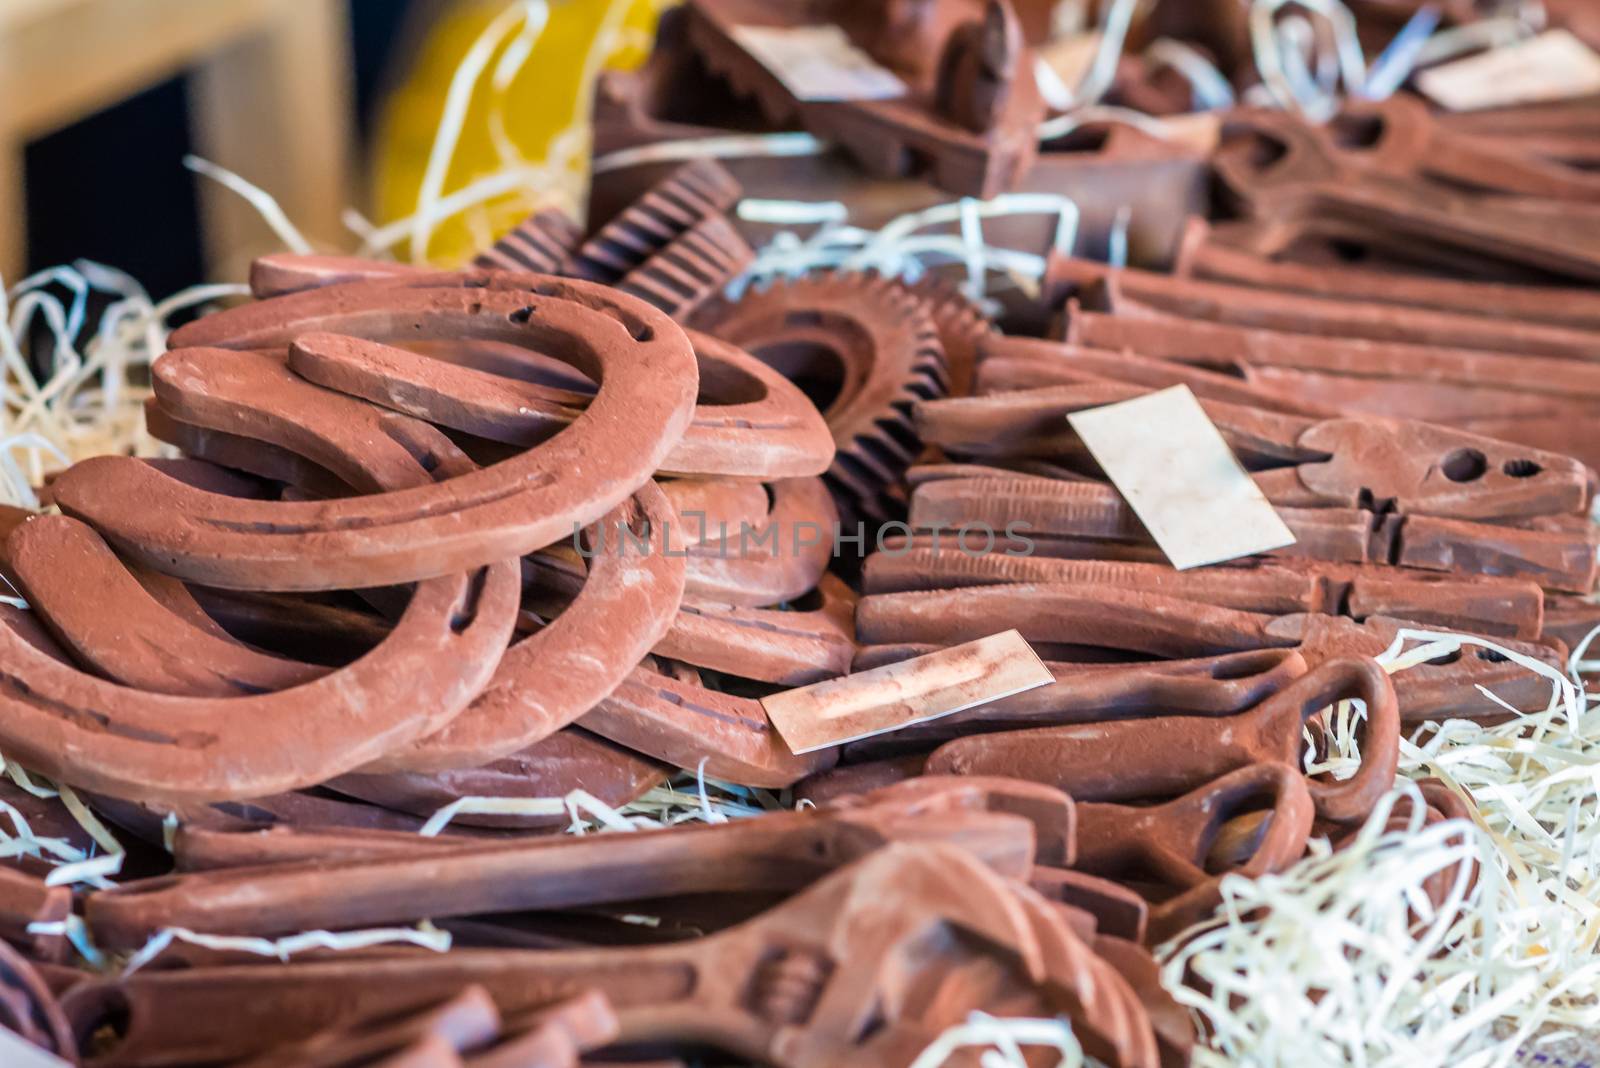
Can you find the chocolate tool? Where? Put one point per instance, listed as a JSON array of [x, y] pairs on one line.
[[1164, 849], [776, 988], [1168, 755]]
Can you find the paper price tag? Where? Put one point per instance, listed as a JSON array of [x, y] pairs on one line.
[[819, 63], [1552, 66], [1168, 459], [15, 1053], [912, 691], [1062, 64]]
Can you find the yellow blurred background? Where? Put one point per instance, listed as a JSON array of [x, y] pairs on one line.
[[546, 98]]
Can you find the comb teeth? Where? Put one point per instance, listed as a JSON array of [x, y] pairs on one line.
[[902, 363], [695, 191], [540, 244], [684, 273]]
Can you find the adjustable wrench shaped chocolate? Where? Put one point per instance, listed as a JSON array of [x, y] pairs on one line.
[[1171, 842], [820, 980], [1168, 755]]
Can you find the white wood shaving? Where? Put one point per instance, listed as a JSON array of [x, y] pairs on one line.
[[1211, 87], [1002, 1039], [1342, 960], [258, 198], [1114, 23], [70, 865], [90, 401], [1479, 35], [730, 146], [424, 934], [710, 801], [904, 246], [1279, 47]]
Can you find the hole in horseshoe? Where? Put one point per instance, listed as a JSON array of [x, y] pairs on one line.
[[100, 1016], [1347, 251], [810, 601], [463, 617], [1446, 659], [1493, 656], [1521, 468], [1464, 465], [815, 367], [723, 383], [522, 314]]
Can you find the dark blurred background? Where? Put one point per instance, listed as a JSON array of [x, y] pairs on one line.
[[82, 179]]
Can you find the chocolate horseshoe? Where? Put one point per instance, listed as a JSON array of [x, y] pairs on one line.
[[645, 401], [765, 429], [544, 681], [121, 630], [777, 560], [114, 740]]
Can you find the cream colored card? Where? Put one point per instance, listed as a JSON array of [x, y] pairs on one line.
[[912, 691], [1169, 461], [819, 63], [1552, 66], [15, 1053]]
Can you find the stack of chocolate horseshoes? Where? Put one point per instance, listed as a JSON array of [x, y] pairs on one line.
[[451, 471]]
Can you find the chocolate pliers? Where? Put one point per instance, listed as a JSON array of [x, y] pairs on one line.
[[1385, 464], [1165, 756], [1281, 586], [1287, 170], [1075, 622], [1399, 138], [1091, 520], [1203, 256], [1152, 295]]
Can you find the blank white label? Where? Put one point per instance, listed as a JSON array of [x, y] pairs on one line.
[[819, 63], [912, 691], [1552, 66], [1168, 459]]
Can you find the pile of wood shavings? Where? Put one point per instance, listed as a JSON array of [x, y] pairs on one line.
[[72, 383], [1342, 960]]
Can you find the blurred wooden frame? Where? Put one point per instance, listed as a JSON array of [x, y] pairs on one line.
[[270, 99]]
